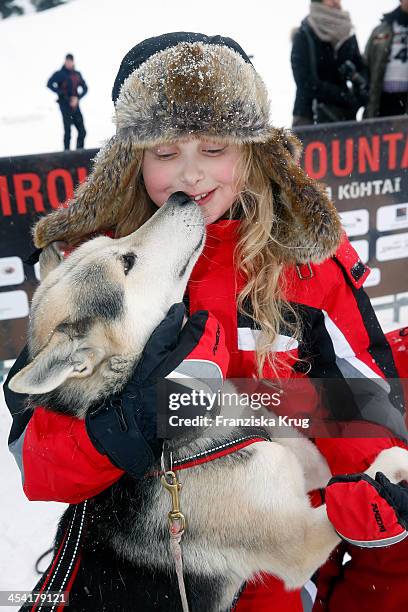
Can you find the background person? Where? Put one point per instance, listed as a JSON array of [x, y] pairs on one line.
[[387, 58], [70, 86], [327, 66]]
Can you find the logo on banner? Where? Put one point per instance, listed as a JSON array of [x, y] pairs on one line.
[[392, 247], [392, 217], [14, 305], [11, 271], [355, 222]]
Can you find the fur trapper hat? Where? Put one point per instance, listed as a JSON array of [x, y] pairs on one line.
[[180, 85]]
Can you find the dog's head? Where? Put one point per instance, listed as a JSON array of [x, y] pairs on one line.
[[94, 311]]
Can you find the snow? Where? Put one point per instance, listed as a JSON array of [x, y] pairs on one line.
[[27, 528], [99, 33]]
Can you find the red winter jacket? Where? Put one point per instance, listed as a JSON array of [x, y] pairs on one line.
[[341, 339]]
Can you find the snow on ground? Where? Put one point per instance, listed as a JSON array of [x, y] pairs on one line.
[[26, 528], [98, 33]]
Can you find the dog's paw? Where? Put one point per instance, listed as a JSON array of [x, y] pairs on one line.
[[393, 462]]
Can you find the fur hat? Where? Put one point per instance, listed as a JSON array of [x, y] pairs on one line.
[[187, 84]]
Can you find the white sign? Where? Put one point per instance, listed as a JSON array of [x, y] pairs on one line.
[[392, 247], [37, 270], [11, 271], [392, 217], [355, 222], [361, 247], [373, 279], [13, 305]]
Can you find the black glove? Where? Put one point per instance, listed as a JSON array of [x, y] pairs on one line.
[[396, 495], [124, 426]]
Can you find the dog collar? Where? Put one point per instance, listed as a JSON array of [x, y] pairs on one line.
[[221, 450], [213, 452]]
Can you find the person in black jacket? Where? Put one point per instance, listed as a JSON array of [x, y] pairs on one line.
[[70, 86], [328, 68], [387, 58]]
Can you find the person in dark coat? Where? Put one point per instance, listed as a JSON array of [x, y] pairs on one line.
[[327, 66], [70, 86], [387, 58]]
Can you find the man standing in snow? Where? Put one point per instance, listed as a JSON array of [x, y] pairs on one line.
[[387, 58], [70, 87]]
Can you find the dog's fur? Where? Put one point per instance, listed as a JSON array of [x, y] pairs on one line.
[[247, 513]]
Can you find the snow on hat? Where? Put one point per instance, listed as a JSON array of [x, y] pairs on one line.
[[144, 50], [187, 84]]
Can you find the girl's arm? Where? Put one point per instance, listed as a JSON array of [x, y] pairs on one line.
[[353, 344], [349, 346], [57, 458]]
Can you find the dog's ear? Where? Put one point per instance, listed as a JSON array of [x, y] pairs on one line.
[[51, 257], [60, 360]]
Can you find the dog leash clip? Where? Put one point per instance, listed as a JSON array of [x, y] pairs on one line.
[[176, 518], [177, 525]]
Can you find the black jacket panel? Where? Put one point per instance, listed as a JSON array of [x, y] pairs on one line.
[[318, 77]]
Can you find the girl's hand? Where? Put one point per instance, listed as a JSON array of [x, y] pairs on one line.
[[124, 426], [366, 512]]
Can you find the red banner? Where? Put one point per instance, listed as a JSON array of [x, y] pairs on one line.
[[364, 165], [30, 186]]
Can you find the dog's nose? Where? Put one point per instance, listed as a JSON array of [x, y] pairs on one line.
[[180, 198]]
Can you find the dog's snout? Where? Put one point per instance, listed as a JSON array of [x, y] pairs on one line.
[[180, 198]]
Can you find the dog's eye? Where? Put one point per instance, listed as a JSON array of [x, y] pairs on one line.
[[128, 261]]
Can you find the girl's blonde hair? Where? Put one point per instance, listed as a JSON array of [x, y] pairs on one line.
[[255, 254]]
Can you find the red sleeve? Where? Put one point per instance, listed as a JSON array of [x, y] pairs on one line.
[[59, 461], [350, 455], [359, 349], [372, 578]]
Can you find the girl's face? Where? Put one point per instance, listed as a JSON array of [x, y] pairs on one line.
[[204, 169]]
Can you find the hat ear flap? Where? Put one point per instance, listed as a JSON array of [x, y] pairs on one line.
[[96, 202], [307, 225]]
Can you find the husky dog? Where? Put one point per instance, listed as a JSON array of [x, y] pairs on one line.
[[247, 513]]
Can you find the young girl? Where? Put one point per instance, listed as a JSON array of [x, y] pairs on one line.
[[276, 272]]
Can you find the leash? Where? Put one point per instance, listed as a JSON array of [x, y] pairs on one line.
[[177, 525], [176, 519]]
